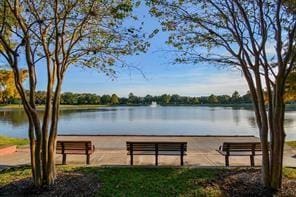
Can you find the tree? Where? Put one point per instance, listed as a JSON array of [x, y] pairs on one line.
[[68, 98], [148, 99], [195, 100], [235, 98], [40, 97], [114, 99], [175, 98], [290, 94], [165, 98], [132, 99], [8, 90], [212, 99], [123, 100], [247, 98], [54, 35], [224, 99], [258, 38], [105, 99]]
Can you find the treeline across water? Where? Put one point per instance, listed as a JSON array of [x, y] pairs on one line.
[[69, 98]]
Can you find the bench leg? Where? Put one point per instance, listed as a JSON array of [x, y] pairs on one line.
[[227, 160], [156, 159], [87, 159], [64, 159], [252, 160], [132, 159], [182, 160]]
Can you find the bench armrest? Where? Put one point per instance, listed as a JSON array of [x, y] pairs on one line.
[[221, 152]]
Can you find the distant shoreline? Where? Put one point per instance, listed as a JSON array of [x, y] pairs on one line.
[[73, 107], [63, 107]]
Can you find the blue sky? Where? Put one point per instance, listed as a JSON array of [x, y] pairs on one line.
[[160, 75]]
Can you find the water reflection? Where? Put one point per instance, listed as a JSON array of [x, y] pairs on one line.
[[236, 116], [15, 117], [147, 120], [252, 121]]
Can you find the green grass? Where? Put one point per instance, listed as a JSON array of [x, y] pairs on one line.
[[290, 172], [141, 181], [291, 144], [12, 175], [4, 141], [138, 181], [62, 107], [156, 181]]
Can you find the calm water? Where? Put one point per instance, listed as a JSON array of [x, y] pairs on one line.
[[148, 120]]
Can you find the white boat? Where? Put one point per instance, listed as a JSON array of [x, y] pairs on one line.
[[153, 104]]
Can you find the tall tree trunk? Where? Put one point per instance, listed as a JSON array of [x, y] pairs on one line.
[[53, 134], [263, 128], [279, 138], [38, 162], [32, 149]]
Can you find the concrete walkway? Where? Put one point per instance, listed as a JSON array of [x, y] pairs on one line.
[[111, 150]]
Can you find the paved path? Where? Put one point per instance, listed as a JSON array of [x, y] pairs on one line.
[[111, 150]]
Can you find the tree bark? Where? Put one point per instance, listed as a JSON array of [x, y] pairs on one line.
[[279, 139], [53, 134], [32, 149]]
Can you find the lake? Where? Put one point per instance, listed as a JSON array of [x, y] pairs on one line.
[[170, 120]]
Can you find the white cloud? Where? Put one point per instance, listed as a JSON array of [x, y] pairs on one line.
[[224, 83]]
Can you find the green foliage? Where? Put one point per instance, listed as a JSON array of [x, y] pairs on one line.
[[94, 33], [8, 91], [114, 99], [121, 10], [290, 94], [4, 140], [213, 99], [105, 99], [214, 31], [165, 99], [132, 99], [6, 17], [69, 98]]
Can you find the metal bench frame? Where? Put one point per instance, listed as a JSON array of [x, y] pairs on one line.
[[75, 148], [157, 148], [250, 149]]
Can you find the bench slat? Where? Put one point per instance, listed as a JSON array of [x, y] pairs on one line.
[[157, 148], [250, 149], [74, 147]]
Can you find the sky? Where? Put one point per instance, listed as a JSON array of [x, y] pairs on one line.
[[160, 75]]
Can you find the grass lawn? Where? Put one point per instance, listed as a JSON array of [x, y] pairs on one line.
[[290, 173], [291, 144], [62, 107], [156, 181], [120, 181], [4, 141], [141, 181]]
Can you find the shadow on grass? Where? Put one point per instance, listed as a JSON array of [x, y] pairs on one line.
[[18, 182], [143, 181]]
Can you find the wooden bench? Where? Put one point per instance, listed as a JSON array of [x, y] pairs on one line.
[[157, 148], [75, 148], [250, 149]]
